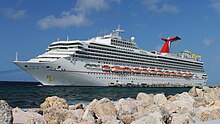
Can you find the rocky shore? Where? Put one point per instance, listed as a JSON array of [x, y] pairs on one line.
[[197, 105]]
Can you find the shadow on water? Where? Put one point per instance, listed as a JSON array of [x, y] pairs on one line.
[[31, 94]]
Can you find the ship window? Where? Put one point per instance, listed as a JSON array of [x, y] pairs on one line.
[[26, 66]]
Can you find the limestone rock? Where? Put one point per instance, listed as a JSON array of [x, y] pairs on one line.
[[54, 101], [207, 114], [145, 97], [5, 113], [193, 91], [142, 107], [105, 110], [92, 104], [151, 119], [154, 115], [88, 115], [200, 101], [27, 117], [182, 101], [126, 109], [214, 115], [182, 118], [185, 97], [159, 112], [54, 115], [35, 121], [198, 112], [215, 103], [160, 99], [200, 92], [114, 121], [206, 89], [70, 121], [77, 106]]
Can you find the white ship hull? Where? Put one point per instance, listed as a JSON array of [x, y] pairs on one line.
[[75, 74]]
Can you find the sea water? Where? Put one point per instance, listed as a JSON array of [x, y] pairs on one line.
[[31, 94]]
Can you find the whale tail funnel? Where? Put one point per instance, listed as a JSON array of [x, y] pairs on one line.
[[166, 46]]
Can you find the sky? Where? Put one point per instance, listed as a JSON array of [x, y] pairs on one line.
[[29, 26]]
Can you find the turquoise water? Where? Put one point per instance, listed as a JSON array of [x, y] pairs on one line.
[[31, 95]]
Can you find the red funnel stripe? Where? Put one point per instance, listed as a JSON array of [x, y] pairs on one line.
[[166, 46]]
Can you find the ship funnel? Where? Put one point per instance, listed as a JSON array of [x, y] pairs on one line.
[[166, 46]]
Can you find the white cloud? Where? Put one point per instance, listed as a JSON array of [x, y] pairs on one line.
[[215, 4], [207, 42], [84, 6], [14, 14], [64, 21], [76, 16], [159, 6]]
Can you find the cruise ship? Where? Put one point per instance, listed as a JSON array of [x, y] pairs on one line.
[[110, 60]]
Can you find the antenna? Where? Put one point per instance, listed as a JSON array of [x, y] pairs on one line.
[[67, 38], [119, 26], [118, 31], [16, 56]]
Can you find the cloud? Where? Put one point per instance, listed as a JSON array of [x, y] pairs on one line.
[[63, 21], [76, 16], [159, 6], [215, 5], [207, 42], [14, 14]]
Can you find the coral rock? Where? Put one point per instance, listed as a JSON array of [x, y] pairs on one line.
[[5, 113], [21, 117], [160, 99], [77, 106], [193, 92], [105, 110], [54, 101]]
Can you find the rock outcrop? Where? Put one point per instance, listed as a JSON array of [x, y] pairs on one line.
[[21, 117], [5, 113], [197, 105], [54, 101]]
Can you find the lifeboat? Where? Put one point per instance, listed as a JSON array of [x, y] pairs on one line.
[[144, 71], [172, 73], [167, 73], [153, 71], [179, 74], [160, 72], [117, 69], [106, 68], [187, 75], [126, 69], [137, 70]]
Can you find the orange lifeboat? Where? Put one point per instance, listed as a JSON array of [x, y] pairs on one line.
[[167, 73], [126, 69], [106, 68], [179, 74], [187, 75], [117, 69], [173, 73], [153, 71], [137, 70], [144, 71], [159, 72]]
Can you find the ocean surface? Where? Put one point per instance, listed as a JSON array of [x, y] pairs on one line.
[[32, 94]]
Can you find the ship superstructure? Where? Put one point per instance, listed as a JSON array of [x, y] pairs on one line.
[[111, 60]]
